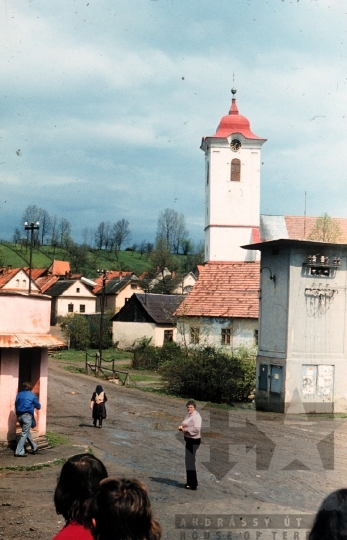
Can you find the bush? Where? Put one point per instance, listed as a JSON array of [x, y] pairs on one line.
[[149, 357], [76, 328], [210, 374], [84, 331]]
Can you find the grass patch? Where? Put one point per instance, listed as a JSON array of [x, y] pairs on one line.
[[75, 369], [56, 439], [75, 356]]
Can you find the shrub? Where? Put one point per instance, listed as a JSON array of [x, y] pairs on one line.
[[76, 328], [211, 374], [149, 357]]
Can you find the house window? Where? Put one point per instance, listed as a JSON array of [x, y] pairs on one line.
[[256, 337], [82, 308], [70, 308], [235, 170], [226, 336], [133, 286], [78, 289], [17, 282], [168, 336], [194, 335]]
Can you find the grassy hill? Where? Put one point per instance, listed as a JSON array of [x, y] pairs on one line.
[[18, 255]]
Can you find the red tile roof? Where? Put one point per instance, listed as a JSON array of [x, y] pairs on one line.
[[60, 268], [6, 275], [299, 227], [45, 282], [224, 290]]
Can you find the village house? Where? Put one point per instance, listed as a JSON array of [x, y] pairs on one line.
[[70, 296], [146, 316], [222, 308], [16, 280], [117, 291], [24, 343]]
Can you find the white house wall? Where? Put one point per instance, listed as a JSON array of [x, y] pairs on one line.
[[243, 331], [126, 333]]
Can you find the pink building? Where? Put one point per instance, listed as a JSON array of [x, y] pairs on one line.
[[24, 341]]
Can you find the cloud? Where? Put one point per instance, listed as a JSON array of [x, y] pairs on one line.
[[108, 103]]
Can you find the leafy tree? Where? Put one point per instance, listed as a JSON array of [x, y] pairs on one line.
[[326, 229], [78, 256], [75, 327], [161, 258]]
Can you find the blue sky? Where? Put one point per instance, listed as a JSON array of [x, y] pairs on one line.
[[107, 101]]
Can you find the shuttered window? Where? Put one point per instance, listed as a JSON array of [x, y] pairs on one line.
[[235, 170]]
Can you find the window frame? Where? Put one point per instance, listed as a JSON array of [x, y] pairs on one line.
[[235, 170]]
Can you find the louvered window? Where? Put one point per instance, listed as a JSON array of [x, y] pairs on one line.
[[235, 170]]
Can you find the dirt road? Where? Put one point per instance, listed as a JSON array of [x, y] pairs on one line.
[[254, 465]]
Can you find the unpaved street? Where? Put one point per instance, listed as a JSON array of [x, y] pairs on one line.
[[283, 476]]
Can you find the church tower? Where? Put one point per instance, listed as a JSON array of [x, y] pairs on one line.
[[232, 189]]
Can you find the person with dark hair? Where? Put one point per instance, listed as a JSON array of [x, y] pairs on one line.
[[331, 519], [121, 510], [79, 479], [191, 428], [25, 405], [97, 404]]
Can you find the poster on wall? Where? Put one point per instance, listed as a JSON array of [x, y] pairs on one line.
[[309, 381], [325, 382]]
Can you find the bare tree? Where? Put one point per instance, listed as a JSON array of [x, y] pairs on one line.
[[54, 231], [32, 214], [121, 233], [45, 224], [64, 230], [100, 235], [17, 236], [172, 229]]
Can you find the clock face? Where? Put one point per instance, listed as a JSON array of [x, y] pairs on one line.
[[235, 145]]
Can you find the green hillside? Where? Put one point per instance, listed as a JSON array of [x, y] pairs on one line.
[[17, 255], [86, 261]]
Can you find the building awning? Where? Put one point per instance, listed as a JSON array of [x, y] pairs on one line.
[[21, 341]]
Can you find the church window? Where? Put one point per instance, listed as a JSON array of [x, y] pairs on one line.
[[235, 175]]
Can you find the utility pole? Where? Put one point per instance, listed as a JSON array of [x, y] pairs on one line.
[[102, 273], [31, 227]]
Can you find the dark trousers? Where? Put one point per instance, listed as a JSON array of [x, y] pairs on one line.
[[192, 446]]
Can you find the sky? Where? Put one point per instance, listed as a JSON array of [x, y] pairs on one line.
[[104, 104]]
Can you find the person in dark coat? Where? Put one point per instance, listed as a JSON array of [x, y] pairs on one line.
[[97, 405]]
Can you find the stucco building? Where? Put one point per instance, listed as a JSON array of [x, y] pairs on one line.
[[24, 343]]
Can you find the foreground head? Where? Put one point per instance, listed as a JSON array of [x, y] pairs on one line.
[[191, 405], [121, 510], [99, 389], [27, 385], [331, 519], [79, 479]]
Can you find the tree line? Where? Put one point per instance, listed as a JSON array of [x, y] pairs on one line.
[[171, 233]]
